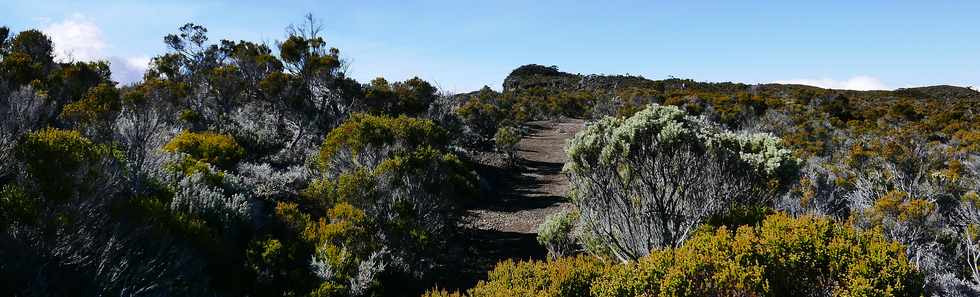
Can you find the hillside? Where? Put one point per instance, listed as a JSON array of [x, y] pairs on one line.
[[536, 76]]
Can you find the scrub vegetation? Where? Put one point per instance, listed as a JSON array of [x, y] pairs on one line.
[[238, 168]]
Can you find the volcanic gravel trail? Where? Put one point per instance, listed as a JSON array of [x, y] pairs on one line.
[[505, 225]]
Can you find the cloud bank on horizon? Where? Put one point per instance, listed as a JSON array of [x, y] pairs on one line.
[[859, 83], [78, 38]]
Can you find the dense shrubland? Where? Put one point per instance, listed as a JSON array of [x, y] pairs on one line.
[[242, 168], [899, 166], [233, 168]]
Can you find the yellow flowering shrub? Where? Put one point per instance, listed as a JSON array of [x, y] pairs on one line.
[[212, 148], [782, 256]]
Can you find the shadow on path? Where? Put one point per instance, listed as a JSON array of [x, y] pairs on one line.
[[505, 218], [485, 248]]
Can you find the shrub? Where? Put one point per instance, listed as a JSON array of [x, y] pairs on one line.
[[782, 256], [809, 256], [400, 193], [649, 180], [267, 182], [340, 248], [556, 233], [969, 240], [212, 148], [21, 111], [507, 139], [570, 104], [63, 163], [482, 117], [364, 140], [411, 97], [197, 194], [99, 104], [16, 206], [570, 276], [412, 199]]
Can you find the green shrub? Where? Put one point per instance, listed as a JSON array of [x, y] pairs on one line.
[[507, 139], [411, 97], [99, 103], [391, 193], [556, 233], [364, 131], [741, 215], [154, 210], [62, 163], [414, 200], [16, 206], [189, 166], [212, 148], [481, 116]]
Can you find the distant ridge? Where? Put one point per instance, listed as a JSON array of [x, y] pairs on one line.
[[550, 77]]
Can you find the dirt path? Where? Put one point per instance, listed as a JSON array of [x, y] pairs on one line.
[[539, 190], [505, 226]]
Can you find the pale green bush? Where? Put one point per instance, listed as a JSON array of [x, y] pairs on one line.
[[648, 181], [556, 234]]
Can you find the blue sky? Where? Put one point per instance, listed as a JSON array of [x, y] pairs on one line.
[[463, 45]]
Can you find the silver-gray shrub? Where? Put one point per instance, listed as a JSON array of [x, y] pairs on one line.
[[648, 181], [928, 211], [194, 195], [23, 111], [266, 182], [259, 127], [141, 132], [366, 275], [968, 217], [819, 191]]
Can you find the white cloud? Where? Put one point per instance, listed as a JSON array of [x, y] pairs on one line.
[[128, 70], [78, 38], [860, 82]]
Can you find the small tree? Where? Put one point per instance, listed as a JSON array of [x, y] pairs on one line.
[[648, 181], [63, 165]]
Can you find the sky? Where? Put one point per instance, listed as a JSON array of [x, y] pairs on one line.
[[463, 45]]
